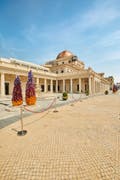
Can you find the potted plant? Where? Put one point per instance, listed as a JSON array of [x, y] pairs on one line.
[[106, 92], [87, 92], [65, 96]]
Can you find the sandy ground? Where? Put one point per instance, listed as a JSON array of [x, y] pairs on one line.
[[79, 142]]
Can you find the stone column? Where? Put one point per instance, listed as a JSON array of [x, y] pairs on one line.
[[99, 87], [37, 81], [56, 86], [51, 86], [37, 86], [79, 85], [63, 85], [96, 87], [45, 85], [2, 84], [93, 84], [71, 85], [102, 87], [90, 91]]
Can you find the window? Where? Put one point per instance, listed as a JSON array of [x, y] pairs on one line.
[[62, 71], [49, 88], [74, 58], [6, 88], [62, 62], [56, 72], [42, 88]]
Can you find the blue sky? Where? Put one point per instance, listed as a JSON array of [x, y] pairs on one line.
[[37, 30]]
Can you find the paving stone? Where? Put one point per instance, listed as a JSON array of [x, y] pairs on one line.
[[77, 143]]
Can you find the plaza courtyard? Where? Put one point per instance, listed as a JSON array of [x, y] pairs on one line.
[[79, 142]]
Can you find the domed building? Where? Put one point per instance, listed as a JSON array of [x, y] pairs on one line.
[[64, 73], [72, 75], [63, 54]]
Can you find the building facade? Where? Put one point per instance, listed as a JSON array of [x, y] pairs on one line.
[[65, 73]]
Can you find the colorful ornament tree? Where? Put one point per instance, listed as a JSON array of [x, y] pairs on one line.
[[30, 90], [17, 93]]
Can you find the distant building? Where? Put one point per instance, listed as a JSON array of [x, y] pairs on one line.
[[111, 80], [65, 73], [118, 85]]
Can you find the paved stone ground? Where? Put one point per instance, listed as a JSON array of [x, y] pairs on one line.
[[80, 142]]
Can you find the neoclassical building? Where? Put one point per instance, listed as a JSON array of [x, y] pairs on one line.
[[65, 73]]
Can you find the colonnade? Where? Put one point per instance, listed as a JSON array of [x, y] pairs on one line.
[[60, 85]]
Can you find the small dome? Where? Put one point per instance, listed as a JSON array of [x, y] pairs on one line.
[[64, 54]]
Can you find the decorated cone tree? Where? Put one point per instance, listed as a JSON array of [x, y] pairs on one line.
[[17, 93], [30, 90]]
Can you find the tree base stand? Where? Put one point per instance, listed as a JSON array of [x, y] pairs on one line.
[[22, 133], [55, 111]]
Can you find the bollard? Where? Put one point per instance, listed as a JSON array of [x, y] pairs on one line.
[[22, 132], [55, 110], [80, 98], [72, 100]]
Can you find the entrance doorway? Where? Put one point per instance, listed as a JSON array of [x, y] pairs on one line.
[[6, 88], [54, 88], [42, 88]]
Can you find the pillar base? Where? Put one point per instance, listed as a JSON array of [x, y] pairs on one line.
[[22, 133], [55, 111]]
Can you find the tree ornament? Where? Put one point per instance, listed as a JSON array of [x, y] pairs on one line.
[[30, 90], [17, 93]]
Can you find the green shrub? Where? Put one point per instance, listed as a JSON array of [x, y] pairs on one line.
[[106, 92], [87, 92], [65, 96]]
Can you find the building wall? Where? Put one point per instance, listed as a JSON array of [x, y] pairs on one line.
[[46, 81]]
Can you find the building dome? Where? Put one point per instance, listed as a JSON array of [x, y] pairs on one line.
[[64, 54]]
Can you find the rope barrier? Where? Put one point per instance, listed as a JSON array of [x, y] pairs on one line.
[[75, 99], [45, 98], [42, 110], [80, 98]]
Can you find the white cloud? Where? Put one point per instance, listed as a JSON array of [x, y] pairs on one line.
[[68, 30], [112, 39], [112, 56]]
